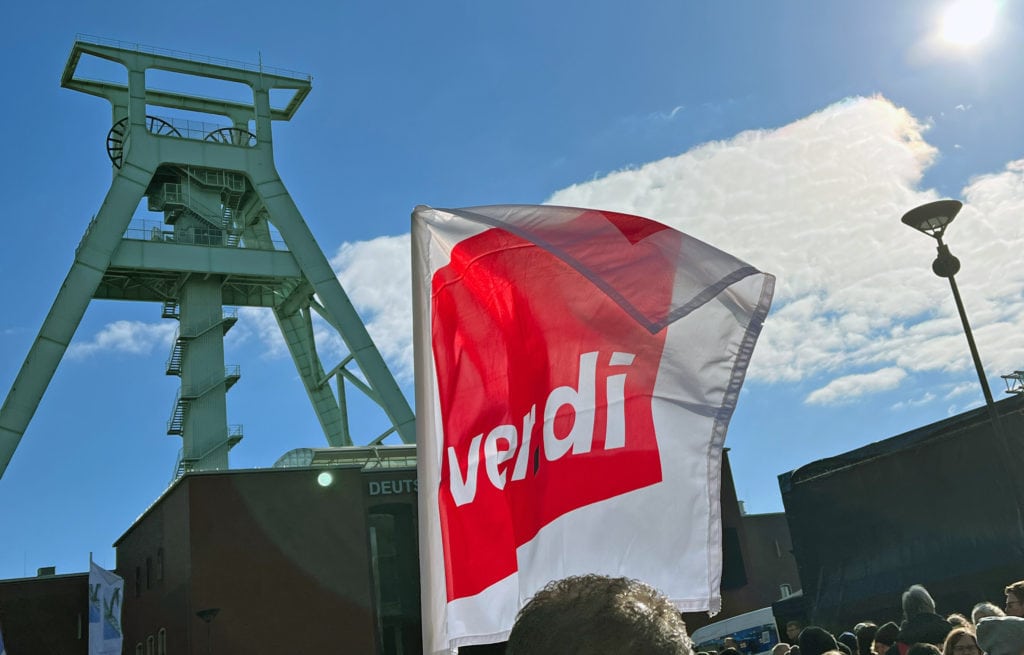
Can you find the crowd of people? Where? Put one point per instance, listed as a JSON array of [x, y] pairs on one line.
[[597, 615], [989, 631]]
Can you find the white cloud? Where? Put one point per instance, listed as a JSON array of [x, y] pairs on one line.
[[953, 410], [261, 321], [128, 337], [961, 390], [925, 399], [817, 203], [377, 276], [848, 387]]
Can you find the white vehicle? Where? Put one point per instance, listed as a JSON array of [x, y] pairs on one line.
[[754, 632]]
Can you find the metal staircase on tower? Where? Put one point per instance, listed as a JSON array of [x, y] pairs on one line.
[[224, 213], [225, 323]]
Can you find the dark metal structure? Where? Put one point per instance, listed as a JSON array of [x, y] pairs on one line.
[[929, 506]]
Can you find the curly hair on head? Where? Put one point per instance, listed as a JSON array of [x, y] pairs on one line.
[[958, 620], [595, 614]]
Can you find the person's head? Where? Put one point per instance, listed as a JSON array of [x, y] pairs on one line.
[[1015, 599], [961, 641], [729, 642], [597, 614], [917, 600], [1001, 635], [865, 636], [780, 648], [816, 641], [958, 620], [793, 629], [885, 637], [924, 649], [981, 610], [729, 650], [850, 641]]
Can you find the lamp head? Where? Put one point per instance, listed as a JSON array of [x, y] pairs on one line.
[[933, 217], [208, 614]]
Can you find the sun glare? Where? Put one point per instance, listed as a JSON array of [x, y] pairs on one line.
[[967, 22]]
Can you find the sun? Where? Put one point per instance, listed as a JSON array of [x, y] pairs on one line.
[[968, 22]]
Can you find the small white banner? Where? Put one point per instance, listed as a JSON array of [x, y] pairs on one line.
[[106, 591]]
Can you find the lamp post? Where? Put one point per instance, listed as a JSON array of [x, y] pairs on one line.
[[933, 219], [208, 615]]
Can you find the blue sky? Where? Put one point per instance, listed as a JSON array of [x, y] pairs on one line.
[[793, 134]]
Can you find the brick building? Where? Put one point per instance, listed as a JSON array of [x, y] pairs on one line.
[[318, 558], [318, 554], [45, 614]]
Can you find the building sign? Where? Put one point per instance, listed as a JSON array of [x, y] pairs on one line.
[[392, 487]]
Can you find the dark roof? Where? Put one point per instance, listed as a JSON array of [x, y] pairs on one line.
[[945, 428]]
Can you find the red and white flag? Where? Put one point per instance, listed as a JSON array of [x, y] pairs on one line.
[[576, 371]]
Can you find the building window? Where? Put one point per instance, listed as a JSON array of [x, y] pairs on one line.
[[160, 564], [785, 590], [149, 573], [150, 645], [138, 581], [161, 642], [138, 648], [734, 573], [394, 562]]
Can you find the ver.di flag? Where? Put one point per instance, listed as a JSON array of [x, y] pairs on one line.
[[106, 591], [576, 371]]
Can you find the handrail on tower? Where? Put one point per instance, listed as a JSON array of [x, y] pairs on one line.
[[136, 57], [223, 202]]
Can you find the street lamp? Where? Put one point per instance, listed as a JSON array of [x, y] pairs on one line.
[[208, 615], [933, 219]]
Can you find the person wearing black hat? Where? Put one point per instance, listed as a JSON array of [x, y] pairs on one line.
[[885, 637], [816, 641], [850, 641], [865, 633]]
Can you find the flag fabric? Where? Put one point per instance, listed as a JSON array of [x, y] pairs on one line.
[[576, 371], [106, 592], [3, 650]]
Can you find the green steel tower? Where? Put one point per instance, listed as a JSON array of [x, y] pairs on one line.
[[223, 205]]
